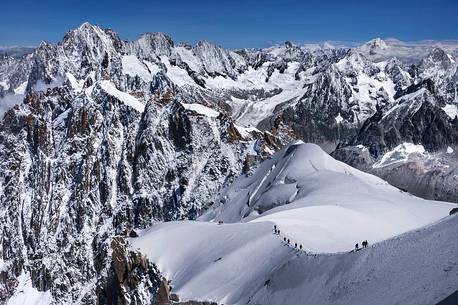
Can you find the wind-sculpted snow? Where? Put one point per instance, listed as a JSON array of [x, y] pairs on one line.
[[248, 264], [323, 208], [322, 203], [122, 96]]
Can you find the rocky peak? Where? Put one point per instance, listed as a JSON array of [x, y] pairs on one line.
[[255, 57], [44, 50], [87, 49], [215, 59], [416, 117], [155, 43], [90, 35], [396, 70], [393, 62], [355, 63], [436, 60], [90, 42]]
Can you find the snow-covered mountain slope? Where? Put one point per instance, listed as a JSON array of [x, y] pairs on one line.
[[322, 203], [324, 207], [247, 264], [100, 137]]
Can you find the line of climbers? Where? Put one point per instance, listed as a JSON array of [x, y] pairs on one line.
[[286, 240], [364, 244]]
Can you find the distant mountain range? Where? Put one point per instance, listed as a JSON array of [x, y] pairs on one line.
[[16, 51], [392, 47]]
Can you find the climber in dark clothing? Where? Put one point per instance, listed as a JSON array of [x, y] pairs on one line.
[[365, 244], [295, 245], [300, 247], [356, 247], [284, 238]]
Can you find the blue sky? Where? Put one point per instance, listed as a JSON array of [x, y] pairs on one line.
[[233, 23]]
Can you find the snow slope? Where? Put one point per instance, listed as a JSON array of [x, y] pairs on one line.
[[26, 294], [132, 66], [126, 98], [325, 206], [451, 110], [255, 112], [322, 203], [247, 264], [201, 109]]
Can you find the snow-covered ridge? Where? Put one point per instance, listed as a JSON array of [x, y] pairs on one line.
[[303, 189], [254, 83], [248, 264], [319, 204]]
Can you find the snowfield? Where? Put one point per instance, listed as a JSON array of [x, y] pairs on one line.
[[451, 110], [201, 109], [26, 294], [400, 153], [124, 97], [325, 206], [132, 66]]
